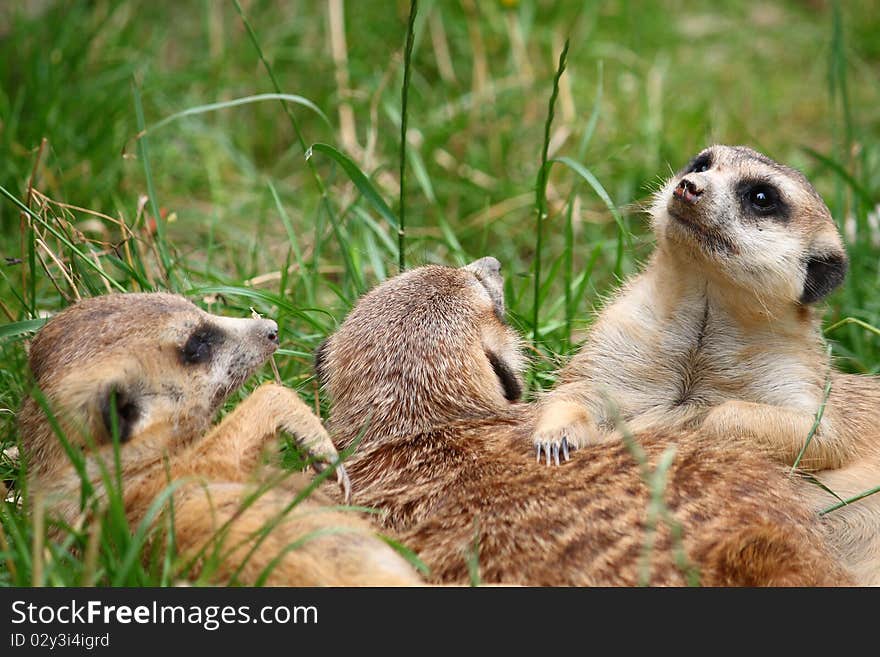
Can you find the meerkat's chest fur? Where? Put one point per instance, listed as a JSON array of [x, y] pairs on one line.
[[689, 353]]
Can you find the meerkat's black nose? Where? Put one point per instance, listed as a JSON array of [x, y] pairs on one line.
[[272, 332], [687, 191]]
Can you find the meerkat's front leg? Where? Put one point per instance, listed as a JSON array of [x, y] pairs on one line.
[[565, 422], [234, 446], [781, 432]]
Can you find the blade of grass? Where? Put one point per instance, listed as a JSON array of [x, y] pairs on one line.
[[16, 329], [294, 245], [568, 250], [623, 236], [404, 95], [20, 542], [39, 529], [6, 549], [32, 269], [236, 102], [140, 535], [360, 180], [541, 193], [853, 320], [161, 243], [816, 482], [265, 296], [407, 554], [472, 555], [818, 419], [851, 500]]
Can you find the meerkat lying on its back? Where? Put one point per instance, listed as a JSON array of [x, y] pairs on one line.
[[425, 372], [719, 332], [153, 369]]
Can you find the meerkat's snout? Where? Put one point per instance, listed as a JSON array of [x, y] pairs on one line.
[[687, 191], [236, 346], [272, 333]]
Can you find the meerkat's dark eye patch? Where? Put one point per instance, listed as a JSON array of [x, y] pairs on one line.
[[763, 198], [701, 163], [825, 273], [119, 407], [506, 376], [199, 347], [760, 198]]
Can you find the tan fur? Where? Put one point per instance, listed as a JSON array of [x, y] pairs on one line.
[[715, 333], [135, 345], [444, 455]]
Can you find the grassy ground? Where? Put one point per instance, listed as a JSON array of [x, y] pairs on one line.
[[246, 220]]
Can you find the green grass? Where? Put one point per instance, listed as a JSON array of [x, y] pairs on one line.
[[293, 206]]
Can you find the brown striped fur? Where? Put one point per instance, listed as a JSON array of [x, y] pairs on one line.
[[443, 454]]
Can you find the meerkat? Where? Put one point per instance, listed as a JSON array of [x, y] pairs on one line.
[[424, 375], [145, 374], [720, 332]]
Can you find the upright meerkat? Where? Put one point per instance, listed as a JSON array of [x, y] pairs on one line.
[[425, 373], [153, 369], [719, 332]]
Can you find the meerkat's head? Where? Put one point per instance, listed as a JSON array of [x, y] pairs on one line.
[[136, 363], [752, 221], [422, 349]]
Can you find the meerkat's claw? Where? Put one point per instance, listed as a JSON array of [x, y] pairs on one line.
[[341, 477], [552, 451], [344, 482], [563, 427]]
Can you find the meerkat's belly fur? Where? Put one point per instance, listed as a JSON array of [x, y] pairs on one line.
[[672, 364]]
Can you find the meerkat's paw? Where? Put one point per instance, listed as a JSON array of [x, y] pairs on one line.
[[563, 427], [297, 420], [319, 446]]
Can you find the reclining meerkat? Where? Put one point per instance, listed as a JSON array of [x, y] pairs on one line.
[[719, 332], [425, 373], [154, 369]]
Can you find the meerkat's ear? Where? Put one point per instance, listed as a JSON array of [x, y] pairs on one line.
[[116, 400], [825, 273], [320, 355], [506, 376]]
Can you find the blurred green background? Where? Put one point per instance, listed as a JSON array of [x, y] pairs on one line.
[[647, 83]]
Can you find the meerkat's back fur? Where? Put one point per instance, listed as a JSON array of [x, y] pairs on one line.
[[153, 369], [424, 372]]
